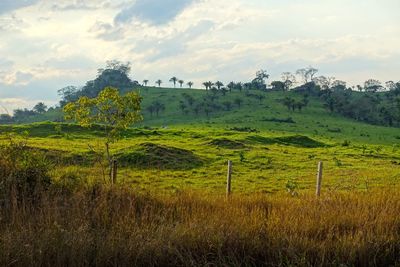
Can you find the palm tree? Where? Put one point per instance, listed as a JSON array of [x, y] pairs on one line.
[[174, 80], [40, 107], [145, 82], [159, 82], [181, 82], [230, 86], [190, 84], [208, 85], [239, 86], [219, 84], [289, 103]]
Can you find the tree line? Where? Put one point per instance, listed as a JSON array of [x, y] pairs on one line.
[[372, 102]]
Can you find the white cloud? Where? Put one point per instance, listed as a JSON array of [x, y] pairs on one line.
[[17, 78], [7, 105], [107, 31], [50, 44]]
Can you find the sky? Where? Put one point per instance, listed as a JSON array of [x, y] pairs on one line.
[[46, 45]]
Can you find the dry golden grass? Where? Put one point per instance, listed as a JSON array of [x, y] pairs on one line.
[[103, 226]]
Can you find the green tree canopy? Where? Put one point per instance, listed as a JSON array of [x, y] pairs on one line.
[[40, 108], [115, 112]]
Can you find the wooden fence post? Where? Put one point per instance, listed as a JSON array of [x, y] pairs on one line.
[[114, 172], [319, 179], [229, 179]]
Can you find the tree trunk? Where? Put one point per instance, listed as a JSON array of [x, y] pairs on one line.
[[109, 160]]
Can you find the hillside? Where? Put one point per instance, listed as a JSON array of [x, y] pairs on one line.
[[272, 147], [269, 114], [265, 114]]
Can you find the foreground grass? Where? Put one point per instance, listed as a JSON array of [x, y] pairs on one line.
[[118, 227]]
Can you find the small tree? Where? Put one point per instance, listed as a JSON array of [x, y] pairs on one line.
[[190, 84], [307, 74], [260, 79], [189, 99], [5, 118], [158, 107], [181, 82], [289, 103], [173, 80], [260, 97], [159, 82], [182, 106], [208, 85], [373, 85], [145, 82], [113, 111], [40, 108], [239, 86], [219, 84], [278, 86], [230, 86], [288, 80]]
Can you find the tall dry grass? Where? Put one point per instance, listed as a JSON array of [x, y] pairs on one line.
[[102, 226]]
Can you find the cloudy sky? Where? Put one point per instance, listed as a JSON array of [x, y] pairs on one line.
[[46, 45]]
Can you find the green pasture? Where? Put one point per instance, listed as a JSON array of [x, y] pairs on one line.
[[181, 157]]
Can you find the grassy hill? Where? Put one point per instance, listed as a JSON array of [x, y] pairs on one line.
[[272, 148], [269, 114]]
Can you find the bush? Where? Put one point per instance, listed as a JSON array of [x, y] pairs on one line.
[[346, 143], [23, 170], [69, 180]]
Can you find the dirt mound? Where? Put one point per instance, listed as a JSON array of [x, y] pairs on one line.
[[60, 157], [149, 155], [301, 141], [294, 140], [226, 143]]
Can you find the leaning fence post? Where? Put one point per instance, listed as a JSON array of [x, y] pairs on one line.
[[319, 178], [114, 172], [229, 179]]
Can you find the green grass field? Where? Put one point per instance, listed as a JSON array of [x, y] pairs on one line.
[[178, 151]]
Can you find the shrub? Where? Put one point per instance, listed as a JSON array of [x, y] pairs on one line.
[[338, 162], [334, 130], [346, 143], [286, 120], [244, 129], [241, 156], [69, 180], [22, 170]]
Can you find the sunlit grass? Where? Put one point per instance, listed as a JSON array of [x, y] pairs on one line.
[[264, 168], [103, 226]]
